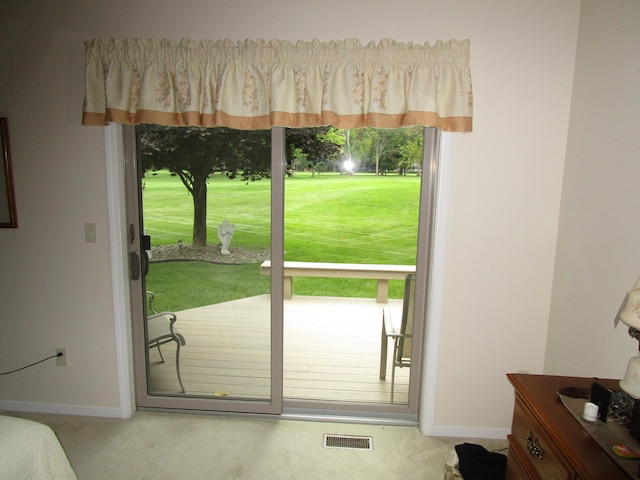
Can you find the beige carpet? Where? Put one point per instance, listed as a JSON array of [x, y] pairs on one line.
[[182, 446]]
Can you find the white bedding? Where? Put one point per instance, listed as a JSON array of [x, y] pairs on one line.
[[31, 451]]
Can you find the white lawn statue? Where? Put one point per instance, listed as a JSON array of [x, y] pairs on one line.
[[225, 232]]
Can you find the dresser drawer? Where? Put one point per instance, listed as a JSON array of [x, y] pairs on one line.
[[518, 463], [543, 457]]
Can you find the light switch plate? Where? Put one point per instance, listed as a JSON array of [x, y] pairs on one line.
[[90, 232]]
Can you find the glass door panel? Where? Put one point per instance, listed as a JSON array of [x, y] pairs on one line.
[[349, 210], [205, 202]]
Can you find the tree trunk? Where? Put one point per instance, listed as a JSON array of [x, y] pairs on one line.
[[200, 212]]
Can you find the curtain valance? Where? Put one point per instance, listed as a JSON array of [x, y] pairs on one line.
[[252, 85]]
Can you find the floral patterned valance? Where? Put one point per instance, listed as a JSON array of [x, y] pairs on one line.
[[253, 85]]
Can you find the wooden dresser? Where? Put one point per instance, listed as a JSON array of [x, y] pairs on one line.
[[546, 441]]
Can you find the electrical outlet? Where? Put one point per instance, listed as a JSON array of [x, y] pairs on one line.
[[61, 360]]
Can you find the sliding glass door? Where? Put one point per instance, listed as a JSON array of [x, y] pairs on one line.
[[252, 335]]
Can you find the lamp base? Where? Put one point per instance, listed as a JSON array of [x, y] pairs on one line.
[[631, 381]]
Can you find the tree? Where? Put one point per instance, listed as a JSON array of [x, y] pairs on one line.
[[411, 154], [195, 153], [387, 147], [312, 146], [379, 144]]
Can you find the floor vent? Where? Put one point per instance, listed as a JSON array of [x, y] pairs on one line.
[[348, 441]]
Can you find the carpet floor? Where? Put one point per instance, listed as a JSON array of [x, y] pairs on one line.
[[184, 446]]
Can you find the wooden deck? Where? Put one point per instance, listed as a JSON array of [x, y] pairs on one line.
[[331, 351]]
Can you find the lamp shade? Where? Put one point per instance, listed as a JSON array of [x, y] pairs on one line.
[[631, 381], [629, 312]]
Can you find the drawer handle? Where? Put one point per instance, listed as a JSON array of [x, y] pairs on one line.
[[533, 445]]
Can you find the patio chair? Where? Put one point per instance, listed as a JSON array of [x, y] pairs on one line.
[[400, 331], [160, 330]]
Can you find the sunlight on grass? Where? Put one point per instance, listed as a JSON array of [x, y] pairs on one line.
[[351, 219], [328, 218]]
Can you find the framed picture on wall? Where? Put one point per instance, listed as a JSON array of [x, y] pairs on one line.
[[8, 216]]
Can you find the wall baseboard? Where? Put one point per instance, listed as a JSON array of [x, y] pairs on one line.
[[62, 409], [114, 412], [470, 432]]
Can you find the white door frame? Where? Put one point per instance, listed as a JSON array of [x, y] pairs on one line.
[[431, 345], [114, 153]]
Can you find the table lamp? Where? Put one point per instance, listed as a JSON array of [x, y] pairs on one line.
[[629, 314]]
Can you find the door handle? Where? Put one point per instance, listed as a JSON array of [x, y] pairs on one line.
[[134, 266], [145, 263]]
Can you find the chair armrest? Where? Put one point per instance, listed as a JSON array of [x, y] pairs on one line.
[[166, 329], [390, 329], [150, 299], [171, 315]]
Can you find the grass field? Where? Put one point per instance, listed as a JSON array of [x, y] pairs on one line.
[[328, 218]]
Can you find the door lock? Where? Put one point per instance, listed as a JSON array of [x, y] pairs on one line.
[[134, 266]]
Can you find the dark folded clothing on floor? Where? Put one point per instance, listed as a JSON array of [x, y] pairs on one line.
[[477, 463]]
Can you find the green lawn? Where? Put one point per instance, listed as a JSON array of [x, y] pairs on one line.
[[186, 284], [328, 218], [168, 210]]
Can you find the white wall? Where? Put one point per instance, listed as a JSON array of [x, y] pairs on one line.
[[505, 185], [504, 201], [598, 257]]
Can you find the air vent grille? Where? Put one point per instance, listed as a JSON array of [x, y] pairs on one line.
[[348, 442]]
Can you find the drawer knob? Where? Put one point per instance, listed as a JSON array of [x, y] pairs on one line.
[[533, 445]]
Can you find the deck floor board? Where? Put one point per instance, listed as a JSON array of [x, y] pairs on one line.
[[331, 351]]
